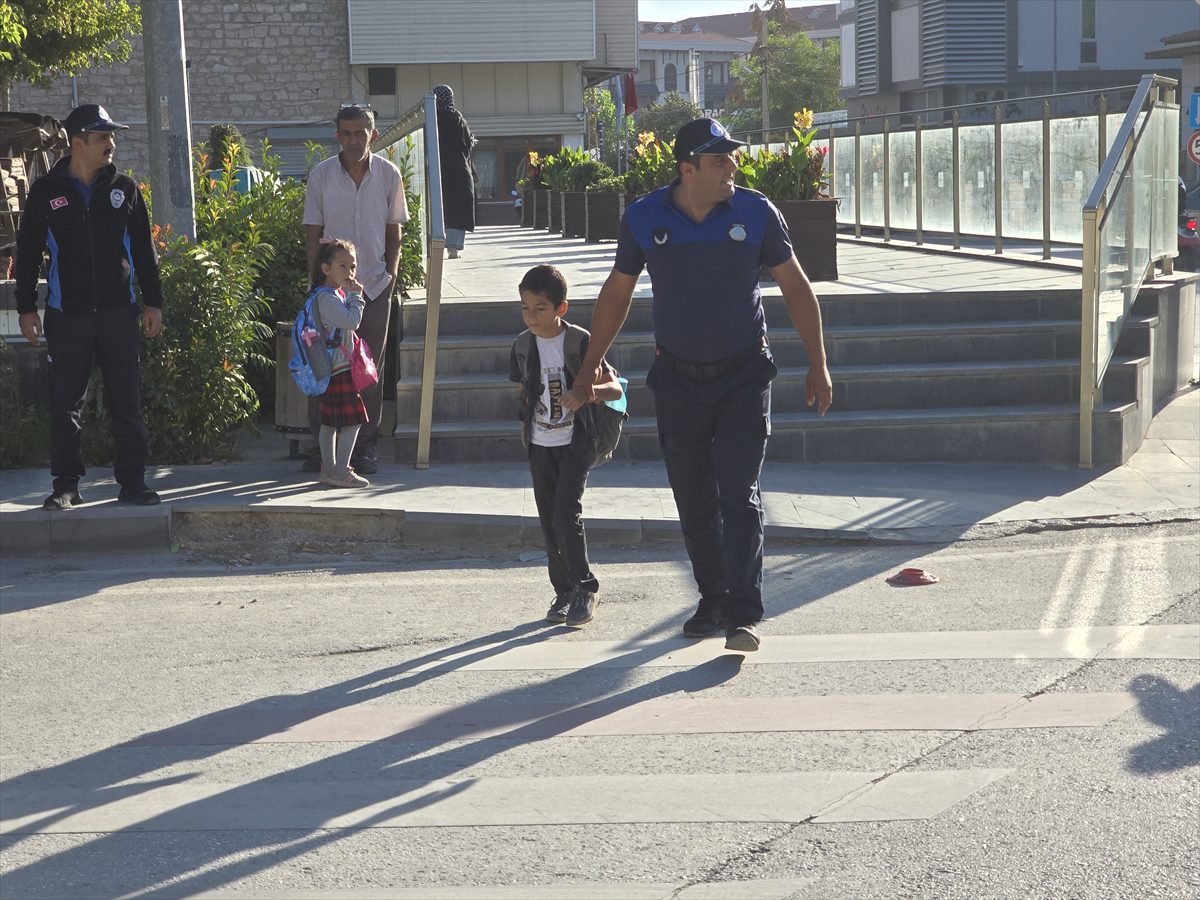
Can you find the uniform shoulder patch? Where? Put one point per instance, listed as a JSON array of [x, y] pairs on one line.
[[58, 202], [117, 198]]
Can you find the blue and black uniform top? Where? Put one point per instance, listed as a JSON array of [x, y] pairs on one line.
[[98, 238], [707, 304]]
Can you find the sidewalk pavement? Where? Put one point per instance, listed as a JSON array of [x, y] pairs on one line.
[[627, 503]]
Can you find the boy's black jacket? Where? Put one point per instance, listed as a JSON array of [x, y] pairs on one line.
[[92, 268]]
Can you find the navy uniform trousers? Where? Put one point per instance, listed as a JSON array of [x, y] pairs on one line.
[[713, 434]]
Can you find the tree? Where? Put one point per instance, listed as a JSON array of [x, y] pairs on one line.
[[800, 75], [226, 145], [666, 114], [602, 124], [43, 39]]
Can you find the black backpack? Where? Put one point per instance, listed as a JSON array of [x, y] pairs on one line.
[[603, 421]]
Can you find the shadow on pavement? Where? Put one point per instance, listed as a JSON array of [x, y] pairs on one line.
[[1178, 713]]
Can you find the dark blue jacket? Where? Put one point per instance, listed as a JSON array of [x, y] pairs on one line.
[[98, 251]]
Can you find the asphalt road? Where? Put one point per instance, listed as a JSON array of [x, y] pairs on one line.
[[252, 722]]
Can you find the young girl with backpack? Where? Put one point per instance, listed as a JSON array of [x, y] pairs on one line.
[[337, 302]]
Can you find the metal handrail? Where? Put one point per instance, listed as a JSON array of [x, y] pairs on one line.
[[423, 114], [1096, 212]]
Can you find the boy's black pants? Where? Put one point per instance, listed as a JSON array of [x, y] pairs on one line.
[[74, 344], [559, 477]]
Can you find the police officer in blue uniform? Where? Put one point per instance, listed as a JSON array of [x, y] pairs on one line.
[[703, 241]]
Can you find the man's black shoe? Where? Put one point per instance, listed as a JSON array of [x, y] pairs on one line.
[[583, 607], [140, 496], [743, 639], [557, 614], [312, 463], [705, 621], [62, 500], [364, 465]]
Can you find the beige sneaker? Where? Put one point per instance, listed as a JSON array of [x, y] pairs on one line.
[[347, 478]]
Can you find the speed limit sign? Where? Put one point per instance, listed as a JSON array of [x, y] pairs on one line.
[[1193, 147]]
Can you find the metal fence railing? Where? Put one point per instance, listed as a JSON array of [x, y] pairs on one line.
[[422, 117], [1128, 226]]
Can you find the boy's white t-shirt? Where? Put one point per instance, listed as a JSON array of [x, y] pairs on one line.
[[552, 425]]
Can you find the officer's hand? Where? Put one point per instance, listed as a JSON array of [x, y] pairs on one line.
[[586, 380], [31, 326], [153, 321], [820, 388], [574, 398]]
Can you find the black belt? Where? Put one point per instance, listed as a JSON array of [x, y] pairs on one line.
[[709, 370]]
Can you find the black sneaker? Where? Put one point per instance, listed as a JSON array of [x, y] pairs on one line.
[[364, 465], [583, 606], [62, 500], [312, 463], [558, 609], [743, 639], [138, 496], [705, 621]]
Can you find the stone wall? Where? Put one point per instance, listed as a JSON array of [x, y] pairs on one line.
[[254, 63]]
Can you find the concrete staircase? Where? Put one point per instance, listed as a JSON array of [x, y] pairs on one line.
[[962, 376]]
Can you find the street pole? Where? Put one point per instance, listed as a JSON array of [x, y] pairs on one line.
[[168, 117], [762, 49]]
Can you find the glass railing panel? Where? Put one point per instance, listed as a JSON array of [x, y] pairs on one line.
[[843, 178], [977, 179], [1021, 174], [872, 179], [902, 180], [937, 182], [1165, 225], [1074, 162]]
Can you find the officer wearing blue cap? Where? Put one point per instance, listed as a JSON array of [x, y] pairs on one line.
[[703, 240], [94, 224]]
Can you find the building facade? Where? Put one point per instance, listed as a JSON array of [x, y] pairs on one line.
[[279, 69], [904, 55]]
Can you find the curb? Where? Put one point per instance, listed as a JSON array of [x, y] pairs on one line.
[[39, 533]]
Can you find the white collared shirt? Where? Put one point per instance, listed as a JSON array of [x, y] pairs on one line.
[[358, 213]]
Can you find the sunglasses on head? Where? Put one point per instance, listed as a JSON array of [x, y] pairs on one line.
[[708, 144], [356, 106]]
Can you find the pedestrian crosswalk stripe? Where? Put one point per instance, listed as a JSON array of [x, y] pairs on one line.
[[666, 715], [1102, 641], [279, 803]]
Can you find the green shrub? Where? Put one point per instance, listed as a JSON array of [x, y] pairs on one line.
[[613, 184], [25, 434], [412, 232]]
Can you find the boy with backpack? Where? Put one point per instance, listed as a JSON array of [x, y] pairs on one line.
[[566, 432]]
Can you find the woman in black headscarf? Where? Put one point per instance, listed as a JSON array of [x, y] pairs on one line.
[[458, 183]]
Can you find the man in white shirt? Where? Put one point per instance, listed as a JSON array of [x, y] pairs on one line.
[[358, 196]]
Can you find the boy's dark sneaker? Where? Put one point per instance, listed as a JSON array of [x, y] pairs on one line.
[[558, 609], [743, 639], [62, 500], [705, 621], [138, 496], [582, 608]]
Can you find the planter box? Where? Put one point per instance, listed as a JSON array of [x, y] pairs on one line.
[[574, 213], [812, 225], [554, 211], [603, 213], [527, 209], [536, 204]]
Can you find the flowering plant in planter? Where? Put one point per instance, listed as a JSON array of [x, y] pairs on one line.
[[795, 172], [651, 164], [532, 181]]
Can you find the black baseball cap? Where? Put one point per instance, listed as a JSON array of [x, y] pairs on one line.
[[703, 136], [90, 117]]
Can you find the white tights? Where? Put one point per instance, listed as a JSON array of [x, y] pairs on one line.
[[337, 445]]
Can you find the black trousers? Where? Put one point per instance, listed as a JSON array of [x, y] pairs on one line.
[[74, 343], [374, 330], [713, 436], [559, 478]]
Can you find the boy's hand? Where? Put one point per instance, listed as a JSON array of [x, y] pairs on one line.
[[574, 398]]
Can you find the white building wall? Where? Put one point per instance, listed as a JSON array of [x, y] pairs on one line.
[[906, 44], [849, 79], [1123, 32], [616, 35]]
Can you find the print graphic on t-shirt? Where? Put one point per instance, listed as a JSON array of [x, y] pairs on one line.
[[552, 417]]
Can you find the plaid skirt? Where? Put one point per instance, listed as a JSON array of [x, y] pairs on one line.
[[341, 404]]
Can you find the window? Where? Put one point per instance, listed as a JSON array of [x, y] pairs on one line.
[[1088, 11], [1087, 53], [381, 81], [646, 71], [670, 78]]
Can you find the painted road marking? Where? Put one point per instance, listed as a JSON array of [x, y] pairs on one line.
[[279, 803], [614, 716]]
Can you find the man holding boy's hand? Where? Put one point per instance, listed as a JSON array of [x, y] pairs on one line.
[[704, 241]]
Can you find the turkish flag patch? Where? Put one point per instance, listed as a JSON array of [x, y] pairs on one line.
[[58, 202]]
